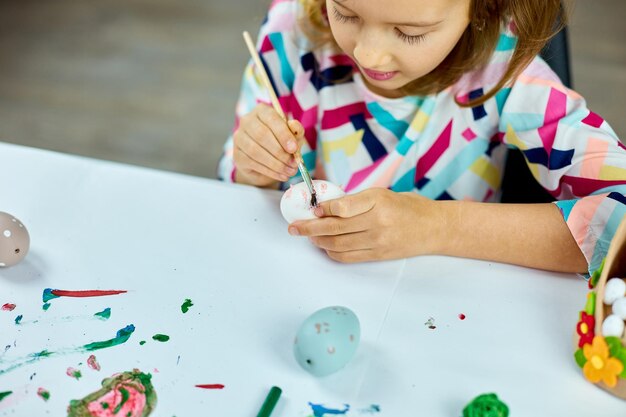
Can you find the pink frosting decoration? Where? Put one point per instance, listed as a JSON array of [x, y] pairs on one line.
[[133, 407]]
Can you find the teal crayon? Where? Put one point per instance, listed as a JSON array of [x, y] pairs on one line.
[[270, 402]]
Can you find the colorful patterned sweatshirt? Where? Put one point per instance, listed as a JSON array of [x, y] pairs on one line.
[[432, 146]]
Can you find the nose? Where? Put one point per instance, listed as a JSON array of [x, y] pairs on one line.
[[371, 53]]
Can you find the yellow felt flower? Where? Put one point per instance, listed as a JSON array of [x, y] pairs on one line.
[[600, 366]]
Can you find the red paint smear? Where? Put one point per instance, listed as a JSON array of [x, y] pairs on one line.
[[462, 316], [8, 307], [210, 386], [86, 293]]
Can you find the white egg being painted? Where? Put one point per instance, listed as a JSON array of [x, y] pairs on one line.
[[296, 201], [14, 240]]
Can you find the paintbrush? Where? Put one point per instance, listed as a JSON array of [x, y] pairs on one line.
[[266, 81]]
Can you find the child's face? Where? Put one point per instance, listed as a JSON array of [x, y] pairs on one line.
[[395, 42]]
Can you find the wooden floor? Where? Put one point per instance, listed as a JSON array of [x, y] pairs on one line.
[[154, 82]]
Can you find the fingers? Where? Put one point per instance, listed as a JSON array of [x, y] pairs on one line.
[[242, 159], [264, 145], [347, 206], [328, 226], [342, 243], [280, 130]]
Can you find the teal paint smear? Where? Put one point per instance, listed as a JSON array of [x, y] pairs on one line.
[[5, 394], [185, 307], [18, 319], [161, 337], [47, 295], [104, 314], [143, 342], [121, 337], [45, 306], [320, 411]]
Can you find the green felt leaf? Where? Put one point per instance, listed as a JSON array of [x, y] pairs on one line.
[[580, 358], [590, 307], [615, 345]]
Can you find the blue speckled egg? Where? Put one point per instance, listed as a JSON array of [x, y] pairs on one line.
[[327, 340]]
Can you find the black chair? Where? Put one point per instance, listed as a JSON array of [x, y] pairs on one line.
[[518, 184]]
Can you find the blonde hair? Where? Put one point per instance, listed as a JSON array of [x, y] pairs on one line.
[[534, 22]]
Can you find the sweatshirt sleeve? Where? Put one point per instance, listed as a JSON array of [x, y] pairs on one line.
[[572, 152], [276, 50]]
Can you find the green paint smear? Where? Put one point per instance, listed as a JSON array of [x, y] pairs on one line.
[[143, 342], [122, 336], [45, 306], [77, 374], [135, 380], [486, 405], [125, 397], [104, 314], [185, 307], [161, 337], [18, 319], [5, 394], [44, 394]]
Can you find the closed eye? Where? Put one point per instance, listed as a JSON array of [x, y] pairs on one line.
[[343, 18], [410, 39]]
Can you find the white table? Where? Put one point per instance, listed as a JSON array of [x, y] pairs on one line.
[[165, 237]]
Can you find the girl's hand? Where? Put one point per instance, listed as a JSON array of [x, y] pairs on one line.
[[374, 224], [264, 146]]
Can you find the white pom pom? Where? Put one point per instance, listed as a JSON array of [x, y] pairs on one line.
[[615, 288], [613, 326], [619, 308]]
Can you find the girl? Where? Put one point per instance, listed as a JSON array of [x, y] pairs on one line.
[[411, 106]]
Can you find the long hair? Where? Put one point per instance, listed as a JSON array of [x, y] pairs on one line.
[[534, 22]]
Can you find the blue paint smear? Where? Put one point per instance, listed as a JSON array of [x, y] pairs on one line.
[[18, 319], [320, 411]]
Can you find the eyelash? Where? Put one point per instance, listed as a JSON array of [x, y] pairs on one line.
[[409, 39]]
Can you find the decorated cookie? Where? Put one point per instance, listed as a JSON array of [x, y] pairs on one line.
[[128, 394], [600, 337]]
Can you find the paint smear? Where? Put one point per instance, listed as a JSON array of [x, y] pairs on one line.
[[121, 337], [128, 394], [8, 307], [5, 394], [43, 393], [461, 316], [185, 307], [142, 342], [73, 373], [92, 362], [50, 294], [430, 323], [320, 411], [372, 409], [161, 337], [18, 319], [104, 314], [45, 306], [210, 386]]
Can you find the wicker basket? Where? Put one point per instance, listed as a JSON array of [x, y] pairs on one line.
[[590, 344]]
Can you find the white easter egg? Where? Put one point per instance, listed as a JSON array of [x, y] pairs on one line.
[[619, 308], [14, 240], [615, 288], [296, 201], [613, 326]]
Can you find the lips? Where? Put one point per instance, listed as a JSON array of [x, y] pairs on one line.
[[379, 75]]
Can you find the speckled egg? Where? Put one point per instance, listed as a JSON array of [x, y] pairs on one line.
[[296, 201], [613, 326], [614, 290], [327, 340], [14, 240], [619, 308]]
